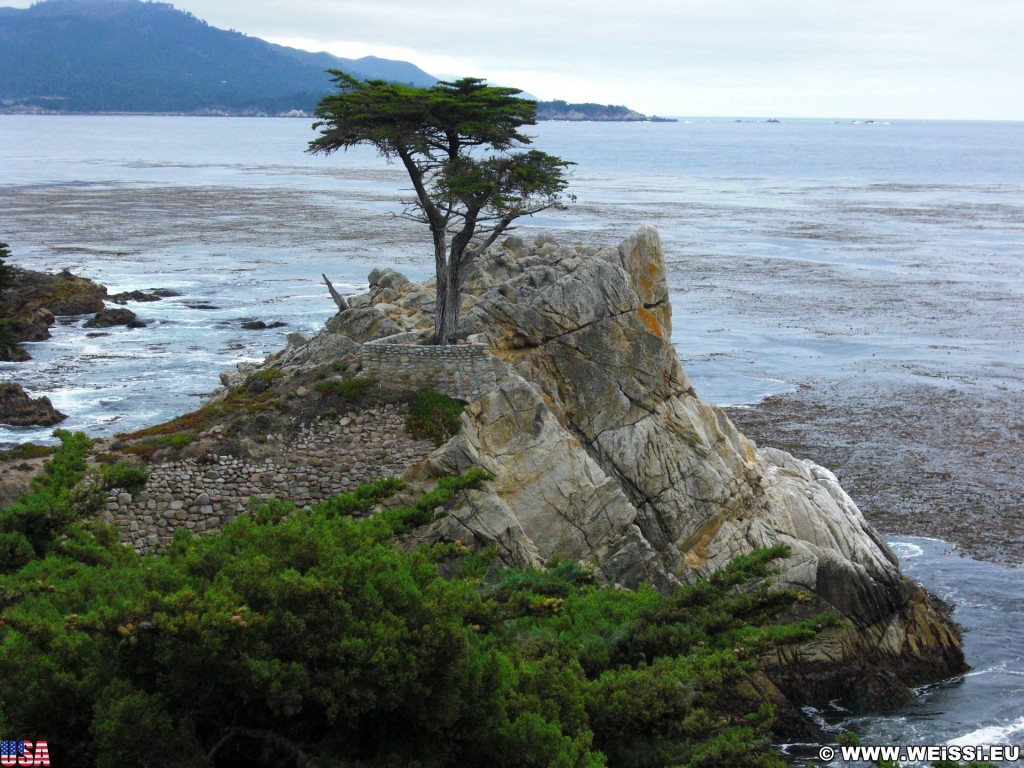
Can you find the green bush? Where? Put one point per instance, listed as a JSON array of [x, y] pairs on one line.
[[433, 416], [34, 524], [302, 637], [128, 477], [27, 451], [425, 509], [6, 273], [352, 390]]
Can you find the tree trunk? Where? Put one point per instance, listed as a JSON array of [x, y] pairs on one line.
[[441, 291], [448, 304]]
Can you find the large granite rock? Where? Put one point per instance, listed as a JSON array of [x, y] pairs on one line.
[[548, 497], [602, 452], [17, 409], [363, 324], [29, 306]]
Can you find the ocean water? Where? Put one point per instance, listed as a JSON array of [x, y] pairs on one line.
[[797, 252], [983, 707]]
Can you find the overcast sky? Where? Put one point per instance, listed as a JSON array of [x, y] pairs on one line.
[[960, 59]]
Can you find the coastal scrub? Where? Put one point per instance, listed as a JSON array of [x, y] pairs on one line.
[[299, 637]]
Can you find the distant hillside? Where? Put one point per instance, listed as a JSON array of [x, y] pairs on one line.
[[560, 110], [133, 56]]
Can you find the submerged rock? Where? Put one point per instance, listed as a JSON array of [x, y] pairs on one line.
[[17, 409], [155, 294], [260, 325]]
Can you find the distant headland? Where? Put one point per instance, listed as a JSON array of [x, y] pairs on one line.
[[134, 57], [560, 110]]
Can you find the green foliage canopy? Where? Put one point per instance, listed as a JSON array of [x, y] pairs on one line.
[[461, 144], [9, 348], [5, 270]]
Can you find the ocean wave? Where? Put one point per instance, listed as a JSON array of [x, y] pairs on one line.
[[990, 734], [905, 550]]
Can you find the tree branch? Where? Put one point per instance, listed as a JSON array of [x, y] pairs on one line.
[[494, 235], [338, 298]]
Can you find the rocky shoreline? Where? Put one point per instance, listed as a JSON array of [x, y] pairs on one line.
[[602, 453], [34, 300], [599, 450]]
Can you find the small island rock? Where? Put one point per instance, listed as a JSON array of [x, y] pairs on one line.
[[107, 318], [17, 409]]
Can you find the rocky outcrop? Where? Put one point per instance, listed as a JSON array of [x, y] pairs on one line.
[[549, 497], [602, 452], [262, 325], [29, 306], [362, 324], [108, 318], [154, 294], [17, 409], [35, 298]]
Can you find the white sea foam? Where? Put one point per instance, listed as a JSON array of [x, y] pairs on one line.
[[990, 734], [989, 670], [905, 550]]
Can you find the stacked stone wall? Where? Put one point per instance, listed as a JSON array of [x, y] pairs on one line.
[[463, 371], [323, 460]]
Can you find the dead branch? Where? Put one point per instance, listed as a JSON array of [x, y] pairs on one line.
[[338, 298]]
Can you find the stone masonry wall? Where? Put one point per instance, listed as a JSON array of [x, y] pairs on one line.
[[462, 371], [325, 459]]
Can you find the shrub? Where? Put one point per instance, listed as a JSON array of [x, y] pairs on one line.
[[128, 477], [352, 390], [27, 451], [302, 637], [33, 525], [433, 416], [426, 508]]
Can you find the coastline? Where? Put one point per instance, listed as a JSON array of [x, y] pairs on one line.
[[935, 461]]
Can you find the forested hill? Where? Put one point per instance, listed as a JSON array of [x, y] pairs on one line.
[[560, 110], [132, 56]]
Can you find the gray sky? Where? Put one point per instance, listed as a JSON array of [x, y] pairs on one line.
[[959, 59]]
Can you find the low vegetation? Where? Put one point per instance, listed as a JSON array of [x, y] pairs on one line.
[[27, 451], [307, 637], [56, 502], [349, 390], [124, 476], [433, 416], [255, 397]]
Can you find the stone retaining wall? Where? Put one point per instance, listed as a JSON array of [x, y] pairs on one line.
[[463, 371], [326, 458]]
